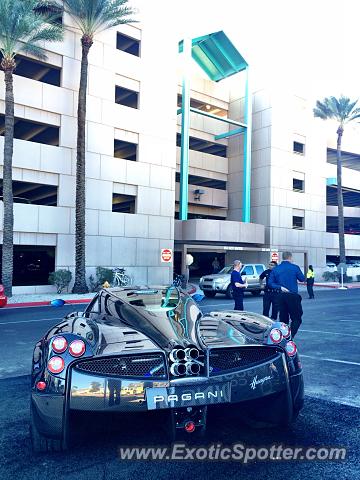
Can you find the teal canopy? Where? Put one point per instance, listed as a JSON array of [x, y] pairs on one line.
[[216, 55]]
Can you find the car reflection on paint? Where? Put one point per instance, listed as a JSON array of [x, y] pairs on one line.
[[136, 350]]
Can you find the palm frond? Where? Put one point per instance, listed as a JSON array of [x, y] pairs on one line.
[[21, 24], [323, 109], [94, 16], [34, 50], [341, 109], [355, 114]]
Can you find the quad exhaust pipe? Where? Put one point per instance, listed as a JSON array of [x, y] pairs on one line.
[[191, 353], [192, 368], [184, 361], [177, 355], [178, 369]]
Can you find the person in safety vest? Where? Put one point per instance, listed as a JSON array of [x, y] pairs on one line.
[[310, 279]]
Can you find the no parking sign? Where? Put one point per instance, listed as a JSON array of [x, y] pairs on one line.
[[166, 255], [275, 257]]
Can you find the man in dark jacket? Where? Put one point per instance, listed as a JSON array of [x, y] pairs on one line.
[[270, 295], [285, 278]]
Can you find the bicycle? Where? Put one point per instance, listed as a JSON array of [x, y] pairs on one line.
[[179, 281], [120, 278]]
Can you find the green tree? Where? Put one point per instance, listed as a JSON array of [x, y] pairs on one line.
[[343, 111], [23, 29], [91, 17]]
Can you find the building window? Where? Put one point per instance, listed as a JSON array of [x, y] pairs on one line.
[[40, 71], [351, 225], [204, 106], [123, 203], [32, 264], [33, 193], [204, 182], [199, 216], [33, 131], [298, 219], [125, 150], [298, 185], [299, 148], [204, 146], [128, 44], [348, 159], [124, 96], [351, 198]]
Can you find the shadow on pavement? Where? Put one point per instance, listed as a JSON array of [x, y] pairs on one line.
[[320, 423]]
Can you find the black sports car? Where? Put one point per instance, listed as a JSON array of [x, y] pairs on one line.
[[142, 349]]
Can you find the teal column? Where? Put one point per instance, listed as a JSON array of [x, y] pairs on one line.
[[247, 150], [185, 126]]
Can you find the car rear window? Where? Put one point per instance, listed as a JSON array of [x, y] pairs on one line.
[[248, 270], [259, 269]]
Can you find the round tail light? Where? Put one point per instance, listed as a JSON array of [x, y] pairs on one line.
[[275, 335], [285, 330], [56, 365], [59, 344], [41, 385], [291, 348], [77, 348], [189, 426]]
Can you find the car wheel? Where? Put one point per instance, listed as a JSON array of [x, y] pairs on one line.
[[209, 294], [256, 293], [229, 293], [39, 442]]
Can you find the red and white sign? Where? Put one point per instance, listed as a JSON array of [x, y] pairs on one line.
[[166, 255], [275, 257]]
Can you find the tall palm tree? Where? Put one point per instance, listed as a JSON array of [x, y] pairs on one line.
[[91, 17], [343, 111], [23, 29]]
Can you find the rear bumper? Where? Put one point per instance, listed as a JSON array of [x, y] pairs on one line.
[[93, 393], [96, 393]]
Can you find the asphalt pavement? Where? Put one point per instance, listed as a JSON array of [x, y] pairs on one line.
[[329, 346]]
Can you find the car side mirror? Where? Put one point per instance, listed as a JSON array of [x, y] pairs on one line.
[[243, 273]]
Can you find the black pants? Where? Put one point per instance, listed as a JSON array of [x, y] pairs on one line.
[[290, 305], [310, 289], [239, 300], [270, 299]]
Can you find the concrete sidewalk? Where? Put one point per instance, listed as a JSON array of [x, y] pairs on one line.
[[42, 299], [335, 284], [302, 286]]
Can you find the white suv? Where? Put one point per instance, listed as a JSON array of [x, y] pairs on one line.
[[220, 282]]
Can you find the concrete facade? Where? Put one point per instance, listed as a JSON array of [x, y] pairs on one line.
[[280, 118], [113, 239], [134, 240]]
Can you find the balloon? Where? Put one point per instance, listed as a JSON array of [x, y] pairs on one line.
[[58, 302]]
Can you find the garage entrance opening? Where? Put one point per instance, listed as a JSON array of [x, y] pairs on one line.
[[203, 263]]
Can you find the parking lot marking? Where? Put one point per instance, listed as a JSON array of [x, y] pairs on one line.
[[331, 333], [30, 321], [330, 360], [352, 321]]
